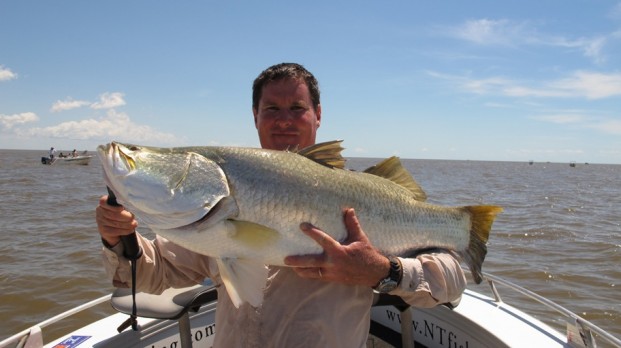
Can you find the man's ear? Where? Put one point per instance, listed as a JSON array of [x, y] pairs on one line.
[[318, 112]]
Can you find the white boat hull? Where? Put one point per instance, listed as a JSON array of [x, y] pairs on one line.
[[79, 160], [152, 332], [478, 321]]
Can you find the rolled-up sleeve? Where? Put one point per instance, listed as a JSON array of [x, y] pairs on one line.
[[162, 265], [431, 279]]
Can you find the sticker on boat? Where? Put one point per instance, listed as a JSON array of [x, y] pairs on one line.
[[72, 341]]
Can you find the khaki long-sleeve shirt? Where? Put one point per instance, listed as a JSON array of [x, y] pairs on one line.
[[296, 312]]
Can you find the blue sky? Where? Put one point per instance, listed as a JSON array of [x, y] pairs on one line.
[[468, 80]]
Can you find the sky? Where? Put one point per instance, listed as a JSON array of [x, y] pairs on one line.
[[464, 80]]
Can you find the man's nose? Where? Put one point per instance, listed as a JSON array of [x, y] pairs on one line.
[[285, 117]]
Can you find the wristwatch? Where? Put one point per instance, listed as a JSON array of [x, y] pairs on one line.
[[393, 280]]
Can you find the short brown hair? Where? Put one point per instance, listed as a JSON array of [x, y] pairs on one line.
[[283, 71]]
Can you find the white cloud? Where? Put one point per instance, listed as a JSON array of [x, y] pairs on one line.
[[498, 105], [484, 86], [591, 85], [593, 48], [579, 119], [6, 74], [590, 47], [615, 12], [512, 33], [68, 104], [9, 121], [580, 84], [109, 100], [563, 118], [608, 126], [489, 32], [114, 126]]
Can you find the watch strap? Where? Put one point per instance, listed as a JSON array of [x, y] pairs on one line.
[[393, 279], [396, 269]]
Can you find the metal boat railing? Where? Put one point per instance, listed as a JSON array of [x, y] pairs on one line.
[[587, 330], [19, 339], [585, 327]]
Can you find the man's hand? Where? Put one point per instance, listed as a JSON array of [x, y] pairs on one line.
[[113, 221], [355, 262]]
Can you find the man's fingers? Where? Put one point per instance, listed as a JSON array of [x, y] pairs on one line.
[[312, 272], [354, 229], [305, 261], [319, 236], [115, 217]]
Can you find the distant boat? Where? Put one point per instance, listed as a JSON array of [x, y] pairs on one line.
[[530, 162], [572, 164], [81, 160]]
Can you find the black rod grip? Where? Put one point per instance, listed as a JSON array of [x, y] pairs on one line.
[[131, 249]]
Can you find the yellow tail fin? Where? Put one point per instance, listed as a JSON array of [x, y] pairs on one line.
[[481, 218]]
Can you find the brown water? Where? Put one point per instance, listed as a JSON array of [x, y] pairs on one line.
[[559, 236]]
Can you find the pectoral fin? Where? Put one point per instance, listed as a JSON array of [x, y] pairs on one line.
[[253, 235], [244, 280]]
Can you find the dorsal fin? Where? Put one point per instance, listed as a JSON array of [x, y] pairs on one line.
[[392, 169], [327, 154]]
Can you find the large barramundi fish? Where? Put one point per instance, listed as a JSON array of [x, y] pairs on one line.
[[244, 206]]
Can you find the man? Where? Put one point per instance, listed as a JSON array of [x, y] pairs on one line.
[[320, 300]]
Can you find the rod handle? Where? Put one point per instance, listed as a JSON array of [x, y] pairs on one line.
[[131, 249]]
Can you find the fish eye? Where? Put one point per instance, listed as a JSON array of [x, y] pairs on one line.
[[134, 148]]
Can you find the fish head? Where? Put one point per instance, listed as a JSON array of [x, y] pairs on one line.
[[165, 188]]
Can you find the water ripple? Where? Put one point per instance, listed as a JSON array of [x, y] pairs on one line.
[[559, 234]]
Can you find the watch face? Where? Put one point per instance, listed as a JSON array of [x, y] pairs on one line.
[[387, 285]]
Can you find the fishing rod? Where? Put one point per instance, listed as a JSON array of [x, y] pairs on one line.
[[132, 252]]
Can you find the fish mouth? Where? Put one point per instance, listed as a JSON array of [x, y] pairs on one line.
[[118, 162], [122, 156], [117, 158], [164, 189], [123, 161]]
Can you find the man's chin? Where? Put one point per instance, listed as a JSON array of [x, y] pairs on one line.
[[285, 142], [285, 147]]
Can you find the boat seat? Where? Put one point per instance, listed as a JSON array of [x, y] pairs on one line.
[[172, 304]]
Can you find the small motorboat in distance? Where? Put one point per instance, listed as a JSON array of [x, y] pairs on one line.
[[81, 160]]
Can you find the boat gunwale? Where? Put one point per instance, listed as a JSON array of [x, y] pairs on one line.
[[581, 323], [586, 327], [75, 310]]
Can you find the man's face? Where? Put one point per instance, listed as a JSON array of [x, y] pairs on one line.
[[285, 117]]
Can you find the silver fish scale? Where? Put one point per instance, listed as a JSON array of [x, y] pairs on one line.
[[281, 190]]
